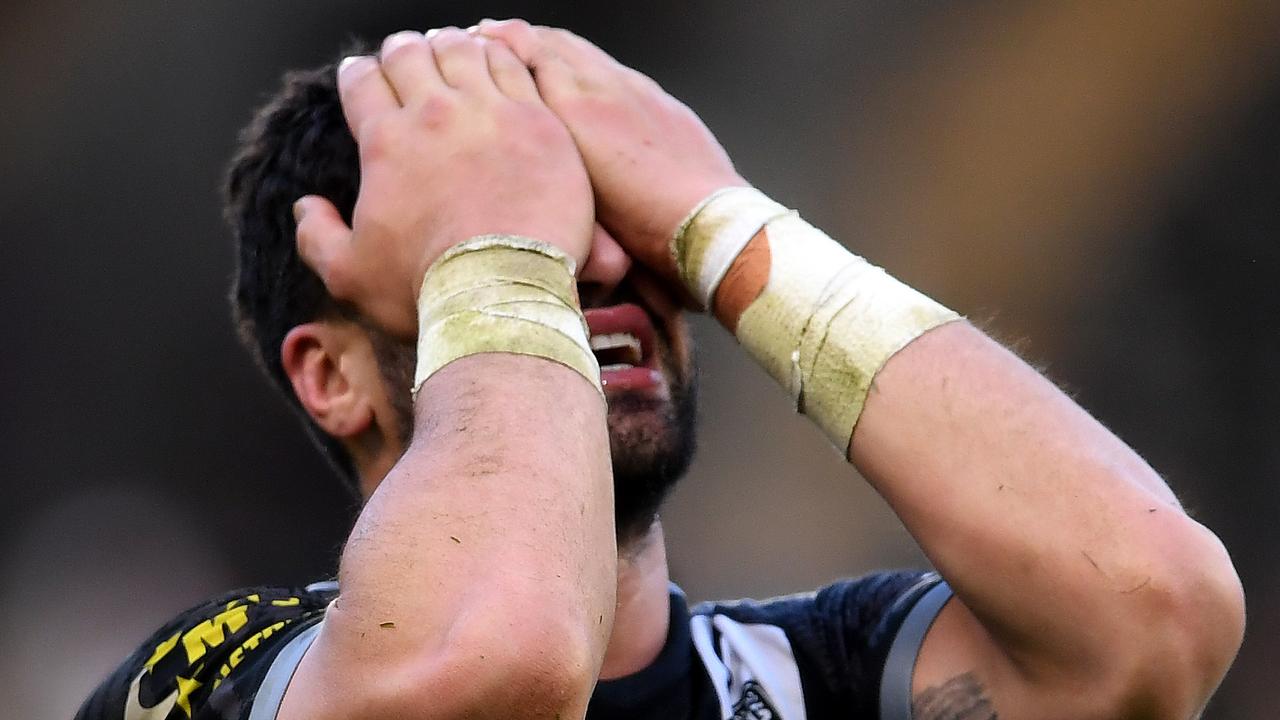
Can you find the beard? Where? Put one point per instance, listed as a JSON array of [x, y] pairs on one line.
[[651, 441]]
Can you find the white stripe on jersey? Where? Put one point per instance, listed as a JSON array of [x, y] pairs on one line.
[[749, 655]]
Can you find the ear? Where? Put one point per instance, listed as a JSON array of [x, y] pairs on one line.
[[320, 360]]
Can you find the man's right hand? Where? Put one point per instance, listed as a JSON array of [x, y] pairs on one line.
[[454, 142], [651, 159]]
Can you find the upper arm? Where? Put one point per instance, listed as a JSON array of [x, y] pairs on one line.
[[958, 670], [961, 672]]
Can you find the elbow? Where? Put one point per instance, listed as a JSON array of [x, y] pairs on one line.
[[1205, 628], [1215, 620], [531, 665], [1187, 627], [539, 660]]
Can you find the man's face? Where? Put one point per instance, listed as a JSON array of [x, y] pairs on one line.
[[642, 343]]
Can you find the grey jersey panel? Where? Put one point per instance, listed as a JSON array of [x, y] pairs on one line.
[[266, 704], [899, 667]]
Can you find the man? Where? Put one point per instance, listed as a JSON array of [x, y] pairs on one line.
[[487, 575]]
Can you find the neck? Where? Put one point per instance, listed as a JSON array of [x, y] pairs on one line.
[[643, 615]]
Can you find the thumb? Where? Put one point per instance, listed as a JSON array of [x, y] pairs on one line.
[[324, 243]]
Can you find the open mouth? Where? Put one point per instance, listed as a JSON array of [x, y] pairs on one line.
[[624, 341]]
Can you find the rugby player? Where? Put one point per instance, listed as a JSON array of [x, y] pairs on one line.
[[522, 218]]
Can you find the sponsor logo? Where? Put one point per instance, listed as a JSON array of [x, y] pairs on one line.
[[185, 668], [754, 704], [135, 710]]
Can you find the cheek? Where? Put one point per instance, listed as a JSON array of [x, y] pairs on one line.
[[681, 345]]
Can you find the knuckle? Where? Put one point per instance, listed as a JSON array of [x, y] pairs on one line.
[[434, 111], [522, 32]]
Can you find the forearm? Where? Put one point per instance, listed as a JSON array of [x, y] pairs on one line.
[[504, 492], [1006, 483], [491, 543], [479, 579]]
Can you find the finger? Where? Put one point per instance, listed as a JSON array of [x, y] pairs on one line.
[[509, 74], [523, 39], [410, 66], [364, 91], [571, 47], [461, 59], [324, 242]]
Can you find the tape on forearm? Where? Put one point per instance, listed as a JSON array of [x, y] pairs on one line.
[[827, 320], [726, 222], [502, 293]]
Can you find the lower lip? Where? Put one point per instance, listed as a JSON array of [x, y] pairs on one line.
[[636, 378]]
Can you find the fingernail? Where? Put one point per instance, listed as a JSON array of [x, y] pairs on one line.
[[432, 33], [299, 210], [347, 62], [398, 40]]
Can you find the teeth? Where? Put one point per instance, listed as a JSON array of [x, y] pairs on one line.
[[615, 340], [616, 366], [617, 349]]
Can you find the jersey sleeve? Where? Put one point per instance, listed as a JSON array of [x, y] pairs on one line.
[[853, 643], [210, 662]]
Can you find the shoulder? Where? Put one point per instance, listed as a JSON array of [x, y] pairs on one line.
[[820, 653], [209, 662]]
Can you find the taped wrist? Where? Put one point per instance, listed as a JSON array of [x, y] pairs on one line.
[[715, 233], [826, 321], [502, 293]]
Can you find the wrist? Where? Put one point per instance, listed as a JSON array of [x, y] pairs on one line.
[[506, 294], [743, 283], [555, 234], [820, 320], [714, 234]]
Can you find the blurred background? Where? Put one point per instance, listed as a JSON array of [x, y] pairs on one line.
[[1097, 183]]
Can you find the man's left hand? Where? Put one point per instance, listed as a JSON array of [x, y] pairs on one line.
[[650, 158]]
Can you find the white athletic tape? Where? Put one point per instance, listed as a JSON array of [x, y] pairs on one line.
[[826, 320], [502, 293], [726, 222]]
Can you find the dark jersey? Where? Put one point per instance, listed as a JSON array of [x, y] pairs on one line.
[[845, 651]]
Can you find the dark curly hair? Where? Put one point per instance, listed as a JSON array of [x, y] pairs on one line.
[[297, 144]]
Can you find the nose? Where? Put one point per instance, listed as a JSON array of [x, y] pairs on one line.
[[605, 267]]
